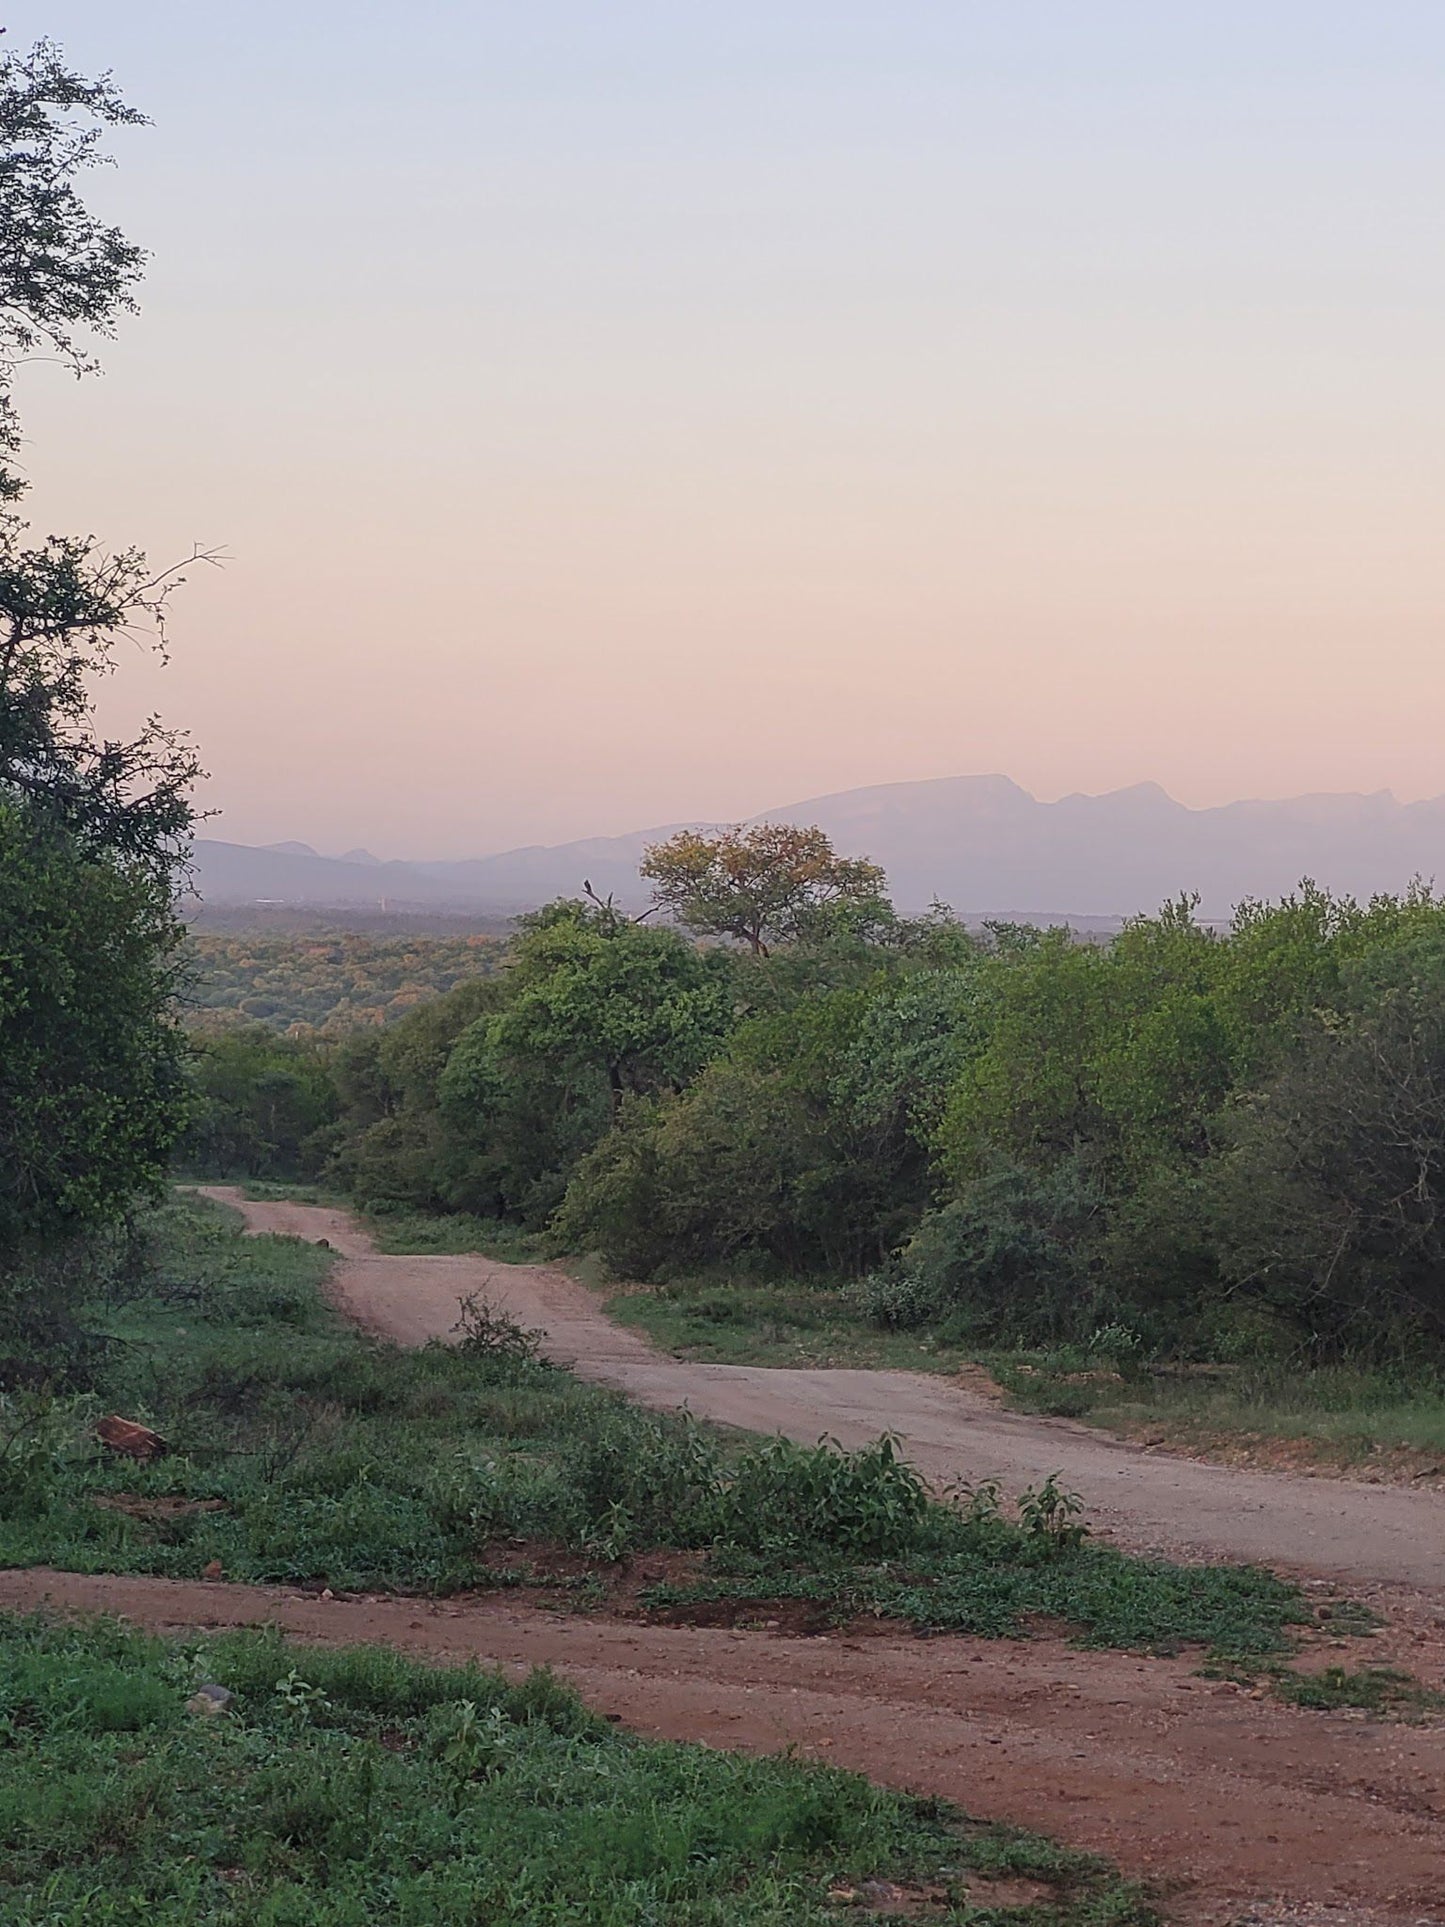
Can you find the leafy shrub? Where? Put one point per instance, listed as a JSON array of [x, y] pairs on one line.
[[1008, 1260], [870, 1502], [652, 1480]]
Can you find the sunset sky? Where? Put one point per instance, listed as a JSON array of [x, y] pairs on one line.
[[620, 413]]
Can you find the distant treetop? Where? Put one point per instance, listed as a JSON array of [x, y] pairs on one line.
[[770, 883]]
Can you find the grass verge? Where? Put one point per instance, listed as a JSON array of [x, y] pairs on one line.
[[1269, 1412], [1350, 1416], [403, 1233], [335, 1788], [726, 1322]]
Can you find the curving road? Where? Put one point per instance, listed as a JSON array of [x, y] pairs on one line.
[[1333, 1528]]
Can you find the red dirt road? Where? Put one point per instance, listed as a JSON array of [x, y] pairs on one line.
[[1335, 1528], [1240, 1809]]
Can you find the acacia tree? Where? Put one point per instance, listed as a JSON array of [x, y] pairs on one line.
[[766, 884]]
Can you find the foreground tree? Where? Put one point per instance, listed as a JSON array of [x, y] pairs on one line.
[[91, 830], [91, 1066], [65, 604], [771, 883]]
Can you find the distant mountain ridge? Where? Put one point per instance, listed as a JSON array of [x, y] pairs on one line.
[[979, 843]]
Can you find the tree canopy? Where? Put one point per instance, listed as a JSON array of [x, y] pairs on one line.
[[91, 830], [65, 275], [767, 884]]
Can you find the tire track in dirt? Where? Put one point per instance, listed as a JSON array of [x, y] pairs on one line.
[[1339, 1529]]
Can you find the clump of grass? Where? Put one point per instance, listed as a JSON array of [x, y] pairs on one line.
[[1373, 1689], [1387, 1691], [358, 1785], [403, 1232]]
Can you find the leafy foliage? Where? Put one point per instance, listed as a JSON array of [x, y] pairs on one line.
[[63, 273], [91, 830], [259, 1103], [1206, 1140], [91, 1086]]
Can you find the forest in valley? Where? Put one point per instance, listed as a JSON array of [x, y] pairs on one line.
[[327, 980], [1215, 1143]]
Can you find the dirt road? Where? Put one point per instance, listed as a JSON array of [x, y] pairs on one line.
[[1242, 1810], [1245, 1812], [1334, 1528]]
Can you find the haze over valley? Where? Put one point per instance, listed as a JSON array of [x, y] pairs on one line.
[[981, 844]]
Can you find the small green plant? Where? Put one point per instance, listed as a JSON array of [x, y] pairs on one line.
[[300, 1699], [471, 1744], [1052, 1515], [981, 1505], [612, 1536]]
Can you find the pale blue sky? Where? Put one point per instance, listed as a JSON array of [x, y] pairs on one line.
[[623, 413]]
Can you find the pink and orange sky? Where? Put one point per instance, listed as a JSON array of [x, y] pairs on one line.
[[622, 413]]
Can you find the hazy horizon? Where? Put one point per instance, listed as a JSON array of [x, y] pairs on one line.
[[782, 807], [617, 417]]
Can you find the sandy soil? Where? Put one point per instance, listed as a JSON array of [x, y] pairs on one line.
[[1336, 1528], [1241, 1810]]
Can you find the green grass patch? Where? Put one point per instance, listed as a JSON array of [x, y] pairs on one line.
[[726, 1322], [1386, 1691], [1373, 1689], [1105, 1597], [339, 1788], [405, 1233], [1342, 1413]]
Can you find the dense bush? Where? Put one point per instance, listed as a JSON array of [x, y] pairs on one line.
[[1018, 1136], [261, 1104], [1005, 1261]]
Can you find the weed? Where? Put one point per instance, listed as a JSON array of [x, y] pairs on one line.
[[1052, 1516], [482, 1331]]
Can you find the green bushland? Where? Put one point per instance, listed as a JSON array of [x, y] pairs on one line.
[[322, 982], [346, 1786], [1182, 1145], [304, 1452]]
